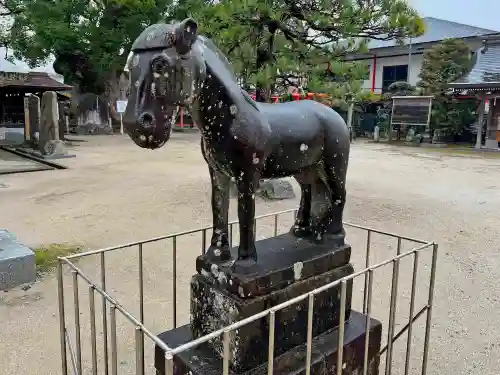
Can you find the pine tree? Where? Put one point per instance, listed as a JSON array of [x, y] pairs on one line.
[[275, 43], [442, 64]]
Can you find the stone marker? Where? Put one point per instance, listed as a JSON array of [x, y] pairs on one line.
[[49, 142], [376, 133], [34, 118], [276, 189], [17, 262]]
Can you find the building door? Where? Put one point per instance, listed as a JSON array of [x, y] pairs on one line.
[[395, 73]]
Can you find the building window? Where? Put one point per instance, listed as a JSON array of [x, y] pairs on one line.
[[395, 73]]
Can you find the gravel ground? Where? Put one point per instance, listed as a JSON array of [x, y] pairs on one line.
[[115, 192]]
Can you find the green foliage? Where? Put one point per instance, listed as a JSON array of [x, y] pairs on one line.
[[46, 255], [271, 43], [90, 40], [400, 88], [445, 63], [277, 43]]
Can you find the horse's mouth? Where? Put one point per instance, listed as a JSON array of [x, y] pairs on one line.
[[151, 141]]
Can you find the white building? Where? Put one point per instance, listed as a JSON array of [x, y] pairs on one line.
[[390, 62]]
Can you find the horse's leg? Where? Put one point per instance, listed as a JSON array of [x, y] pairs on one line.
[[336, 171], [302, 227], [219, 250], [247, 184]]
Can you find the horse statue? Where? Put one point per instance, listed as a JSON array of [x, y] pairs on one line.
[[171, 66]]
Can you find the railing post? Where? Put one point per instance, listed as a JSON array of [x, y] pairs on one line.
[[93, 336], [62, 318], [174, 276], [367, 265], [141, 285], [429, 309], [340, 344], [392, 316], [412, 312], [368, 321], [104, 314], [76, 300]]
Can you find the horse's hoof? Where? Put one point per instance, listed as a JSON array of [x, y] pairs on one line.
[[245, 266], [217, 255], [301, 232]]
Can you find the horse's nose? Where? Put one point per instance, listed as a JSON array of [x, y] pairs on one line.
[[146, 120]]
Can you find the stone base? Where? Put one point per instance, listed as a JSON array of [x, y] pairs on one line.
[[202, 361], [283, 260], [213, 309], [17, 262]]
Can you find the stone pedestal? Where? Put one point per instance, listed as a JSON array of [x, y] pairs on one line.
[[287, 268], [17, 262]]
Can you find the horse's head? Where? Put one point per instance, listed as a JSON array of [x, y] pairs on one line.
[[166, 72]]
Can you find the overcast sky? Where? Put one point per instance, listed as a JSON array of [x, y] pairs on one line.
[[481, 13]]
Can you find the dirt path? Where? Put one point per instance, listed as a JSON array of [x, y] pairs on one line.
[[116, 192]]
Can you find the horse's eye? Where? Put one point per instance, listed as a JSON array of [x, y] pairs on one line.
[[158, 65]]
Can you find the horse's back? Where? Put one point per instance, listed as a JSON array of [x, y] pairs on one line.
[[304, 119]]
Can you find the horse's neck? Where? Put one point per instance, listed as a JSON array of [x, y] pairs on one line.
[[219, 104]]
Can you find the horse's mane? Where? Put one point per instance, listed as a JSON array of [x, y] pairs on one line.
[[219, 65]]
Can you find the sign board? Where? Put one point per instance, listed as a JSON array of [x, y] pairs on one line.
[[121, 105], [411, 110], [6, 77]]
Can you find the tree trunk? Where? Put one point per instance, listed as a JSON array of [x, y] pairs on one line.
[[116, 89]]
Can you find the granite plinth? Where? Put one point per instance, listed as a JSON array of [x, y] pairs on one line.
[[202, 361], [213, 308], [17, 262], [283, 260]]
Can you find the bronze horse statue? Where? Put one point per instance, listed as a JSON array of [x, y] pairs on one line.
[[172, 66]]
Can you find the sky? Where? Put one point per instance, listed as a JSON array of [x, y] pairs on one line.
[[480, 13]]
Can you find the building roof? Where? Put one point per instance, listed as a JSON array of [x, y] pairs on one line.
[[436, 30], [485, 73], [13, 65], [31, 81]]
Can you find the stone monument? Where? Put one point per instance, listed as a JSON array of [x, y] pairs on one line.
[[172, 66], [34, 119], [49, 143]]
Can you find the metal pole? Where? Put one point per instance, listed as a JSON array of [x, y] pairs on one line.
[[62, 323], [93, 336], [340, 345], [121, 123], [429, 310], [226, 349], [310, 315], [77, 323], [114, 356], [174, 276], [104, 314], [270, 350]]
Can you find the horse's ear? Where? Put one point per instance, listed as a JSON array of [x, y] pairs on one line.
[[186, 34]]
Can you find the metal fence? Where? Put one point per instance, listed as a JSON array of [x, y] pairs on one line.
[[106, 333]]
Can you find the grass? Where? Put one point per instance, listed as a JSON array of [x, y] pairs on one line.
[[46, 255]]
